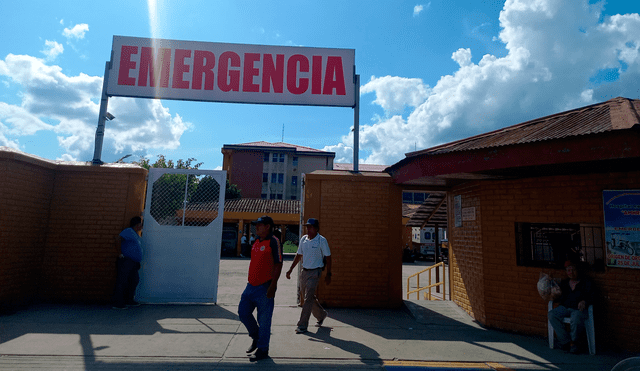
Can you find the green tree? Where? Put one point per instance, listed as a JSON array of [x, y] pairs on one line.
[[169, 191]]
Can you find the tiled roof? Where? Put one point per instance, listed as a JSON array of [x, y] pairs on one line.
[[251, 205], [278, 145], [257, 205], [361, 167], [614, 114]]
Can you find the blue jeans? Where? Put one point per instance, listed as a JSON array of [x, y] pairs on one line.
[[256, 297], [577, 318]]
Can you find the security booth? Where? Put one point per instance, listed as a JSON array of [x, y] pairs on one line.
[[523, 199]]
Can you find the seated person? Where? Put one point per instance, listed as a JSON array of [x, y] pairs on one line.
[[575, 297]]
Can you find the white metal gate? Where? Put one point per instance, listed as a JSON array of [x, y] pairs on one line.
[[182, 235]]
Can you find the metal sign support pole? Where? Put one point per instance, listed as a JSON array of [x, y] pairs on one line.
[[356, 124], [104, 101]]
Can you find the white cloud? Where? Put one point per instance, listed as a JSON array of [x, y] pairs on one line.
[[462, 57], [344, 153], [52, 50], [48, 94], [77, 32], [419, 8], [4, 141], [395, 93], [554, 48]]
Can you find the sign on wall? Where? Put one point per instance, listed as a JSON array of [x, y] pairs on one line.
[[235, 73], [622, 228], [457, 211]]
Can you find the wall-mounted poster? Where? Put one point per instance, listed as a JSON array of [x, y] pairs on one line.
[[622, 228], [457, 210]]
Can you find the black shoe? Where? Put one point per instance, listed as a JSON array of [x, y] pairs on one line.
[[260, 354], [254, 346]]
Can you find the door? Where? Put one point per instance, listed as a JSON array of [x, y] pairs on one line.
[[182, 234]]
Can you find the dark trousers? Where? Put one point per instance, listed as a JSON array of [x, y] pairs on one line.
[[126, 282]]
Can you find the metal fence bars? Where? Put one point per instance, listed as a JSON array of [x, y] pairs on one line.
[[428, 295]]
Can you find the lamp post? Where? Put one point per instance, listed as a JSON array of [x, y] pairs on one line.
[[103, 116]]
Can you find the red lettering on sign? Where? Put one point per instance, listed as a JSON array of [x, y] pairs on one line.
[[228, 79], [150, 65], [334, 77], [127, 64], [292, 74], [203, 64], [180, 68], [273, 74], [249, 72], [316, 75]]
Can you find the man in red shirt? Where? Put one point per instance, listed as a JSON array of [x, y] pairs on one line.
[[264, 272]]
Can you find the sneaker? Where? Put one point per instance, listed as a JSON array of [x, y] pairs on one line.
[[321, 321], [133, 304], [253, 347], [260, 354], [300, 330], [119, 306]]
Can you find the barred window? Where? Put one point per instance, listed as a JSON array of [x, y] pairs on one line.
[[550, 245]]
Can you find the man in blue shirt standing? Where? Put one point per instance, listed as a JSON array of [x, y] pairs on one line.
[[129, 245]]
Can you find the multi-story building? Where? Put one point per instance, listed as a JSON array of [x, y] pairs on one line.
[[272, 170]]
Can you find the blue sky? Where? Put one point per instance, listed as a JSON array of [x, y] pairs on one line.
[[431, 72]]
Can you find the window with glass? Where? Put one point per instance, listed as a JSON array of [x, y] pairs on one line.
[[275, 157], [416, 198], [266, 157], [263, 196], [295, 161], [294, 180], [272, 196], [279, 196], [293, 197], [282, 157], [280, 178], [274, 178], [265, 177]]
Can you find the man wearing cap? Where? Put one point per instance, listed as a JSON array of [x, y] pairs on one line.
[[264, 271], [312, 249]]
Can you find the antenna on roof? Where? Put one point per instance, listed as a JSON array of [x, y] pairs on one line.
[[282, 133]]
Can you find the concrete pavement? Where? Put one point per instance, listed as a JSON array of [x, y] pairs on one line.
[[199, 337]]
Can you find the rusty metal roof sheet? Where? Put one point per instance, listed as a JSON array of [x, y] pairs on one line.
[[614, 114]]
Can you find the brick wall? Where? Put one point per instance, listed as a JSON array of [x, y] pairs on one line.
[[58, 227], [25, 195], [361, 217], [466, 258], [511, 300]]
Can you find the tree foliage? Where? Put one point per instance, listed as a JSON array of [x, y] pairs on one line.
[[169, 194]]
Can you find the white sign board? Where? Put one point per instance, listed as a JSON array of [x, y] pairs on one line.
[[235, 73]]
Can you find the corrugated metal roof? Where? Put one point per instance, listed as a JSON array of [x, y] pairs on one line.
[[614, 114], [432, 212], [277, 145], [361, 167]]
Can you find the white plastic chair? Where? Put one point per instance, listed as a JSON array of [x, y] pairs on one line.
[[588, 326]]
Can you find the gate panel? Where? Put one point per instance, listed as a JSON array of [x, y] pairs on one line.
[[182, 235]]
